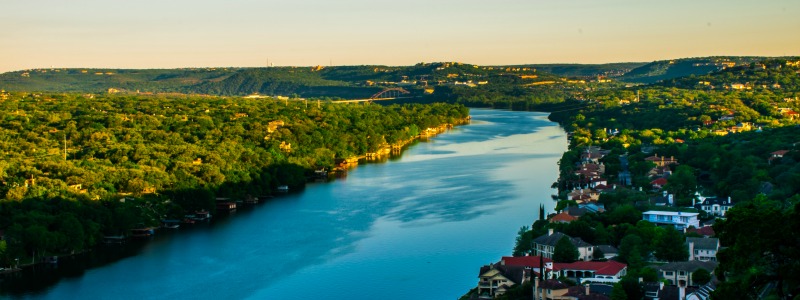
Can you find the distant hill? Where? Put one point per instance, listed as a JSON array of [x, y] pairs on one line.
[[335, 82], [773, 74], [588, 70], [669, 69], [450, 79]]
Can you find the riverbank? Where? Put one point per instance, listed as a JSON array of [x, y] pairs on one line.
[[442, 208]]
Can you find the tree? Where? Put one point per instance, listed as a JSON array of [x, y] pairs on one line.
[[701, 276], [670, 246], [565, 251], [648, 274], [523, 242], [598, 254], [761, 236], [633, 289], [682, 184], [630, 251], [618, 292]]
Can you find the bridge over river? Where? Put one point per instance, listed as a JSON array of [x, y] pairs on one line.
[[386, 94]]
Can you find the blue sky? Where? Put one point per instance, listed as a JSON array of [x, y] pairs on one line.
[[204, 33]]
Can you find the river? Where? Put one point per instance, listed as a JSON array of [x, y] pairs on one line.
[[415, 227]]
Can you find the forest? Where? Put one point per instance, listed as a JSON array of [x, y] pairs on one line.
[[77, 167]]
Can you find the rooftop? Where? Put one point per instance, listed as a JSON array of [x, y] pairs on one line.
[[670, 213], [600, 267], [703, 243]]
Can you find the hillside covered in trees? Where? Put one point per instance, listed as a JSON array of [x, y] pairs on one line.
[[78, 167]]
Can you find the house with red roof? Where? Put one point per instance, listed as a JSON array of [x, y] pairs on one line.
[[594, 182], [562, 217], [594, 271], [533, 262], [777, 155], [659, 183], [705, 231]]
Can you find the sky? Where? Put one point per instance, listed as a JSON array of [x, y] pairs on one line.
[[251, 33]]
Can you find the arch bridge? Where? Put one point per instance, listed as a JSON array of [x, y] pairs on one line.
[[385, 94], [389, 93]]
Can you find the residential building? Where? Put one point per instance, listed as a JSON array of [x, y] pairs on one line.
[[563, 217], [715, 206], [777, 155], [532, 262], [705, 231], [583, 208], [549, 289], [681, 220], [680, 273], [595, 182], [702, 249], [496, 279], [660, 291], [552, 289], [583, 195], [594, 271], [661, 160], [665, 199], [658, 183], [609, 251], [545, 245]]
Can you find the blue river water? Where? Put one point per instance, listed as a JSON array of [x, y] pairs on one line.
[[418, 226]]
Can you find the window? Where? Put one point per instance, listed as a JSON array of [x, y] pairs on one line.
[[668, 273], [681, 273]]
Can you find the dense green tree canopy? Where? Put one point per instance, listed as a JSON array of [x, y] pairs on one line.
[[565, 251]]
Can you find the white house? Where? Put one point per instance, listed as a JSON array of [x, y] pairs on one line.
[[681, 220], [680, 273], [715, 206], [702, 249]]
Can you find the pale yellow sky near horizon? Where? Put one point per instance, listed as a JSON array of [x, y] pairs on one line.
[[250, 33]]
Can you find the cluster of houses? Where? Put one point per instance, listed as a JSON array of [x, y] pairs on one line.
[[596, 268], [595, 275], [495, 279]]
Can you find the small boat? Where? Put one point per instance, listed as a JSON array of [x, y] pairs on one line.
[[225, 204], [142, 232], [114, 239], [283, 189], [171, 224], [201, 215]]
